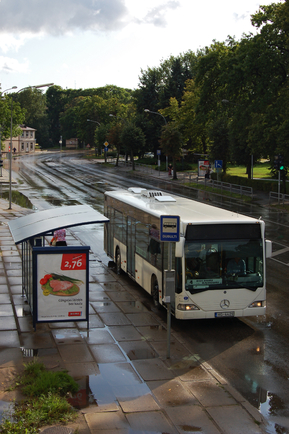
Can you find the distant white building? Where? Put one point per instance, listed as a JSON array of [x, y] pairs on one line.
[[23, 144]]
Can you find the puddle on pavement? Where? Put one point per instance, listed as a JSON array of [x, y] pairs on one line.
[[115, 381], [269, 407], [64, 336], [19, 199]]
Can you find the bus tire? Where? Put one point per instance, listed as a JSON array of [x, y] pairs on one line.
[[155, 292], [118, 261]]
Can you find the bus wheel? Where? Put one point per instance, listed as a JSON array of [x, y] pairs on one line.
[[155, 292], [118, 261]]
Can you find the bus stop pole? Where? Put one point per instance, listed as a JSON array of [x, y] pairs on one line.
[[168, 330], [169, 307]]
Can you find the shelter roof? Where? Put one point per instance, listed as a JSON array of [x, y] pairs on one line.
[[47, 221]]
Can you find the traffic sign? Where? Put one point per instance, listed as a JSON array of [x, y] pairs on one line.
[[218, 164], [170, 228]]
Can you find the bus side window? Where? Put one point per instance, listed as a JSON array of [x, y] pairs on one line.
[[179, 275], [154, 250], [142, 239]]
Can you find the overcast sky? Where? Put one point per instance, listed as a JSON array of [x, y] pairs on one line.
[[92, 43]]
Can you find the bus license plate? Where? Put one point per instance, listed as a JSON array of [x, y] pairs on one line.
[[224, 314]]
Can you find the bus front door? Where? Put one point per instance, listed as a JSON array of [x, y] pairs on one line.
[[131, 225]]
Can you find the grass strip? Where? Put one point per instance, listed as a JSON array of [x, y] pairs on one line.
[[46, 402]]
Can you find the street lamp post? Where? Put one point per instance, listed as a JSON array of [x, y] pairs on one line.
[[157, 113], [10, 88], [89, 120], [10, 151]]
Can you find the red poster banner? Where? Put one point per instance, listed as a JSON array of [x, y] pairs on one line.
[[73, 261]]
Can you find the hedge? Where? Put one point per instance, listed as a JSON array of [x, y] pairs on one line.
[[256, 184]]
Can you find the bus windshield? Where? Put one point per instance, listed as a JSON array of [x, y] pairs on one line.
[[223, 264]]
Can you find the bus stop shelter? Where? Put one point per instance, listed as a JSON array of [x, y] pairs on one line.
[[55, 280]]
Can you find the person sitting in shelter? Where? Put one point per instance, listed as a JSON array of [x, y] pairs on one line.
[[236, 266], [59, 238]]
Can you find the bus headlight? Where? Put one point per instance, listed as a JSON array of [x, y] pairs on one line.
[[256, 304], [187, 307]]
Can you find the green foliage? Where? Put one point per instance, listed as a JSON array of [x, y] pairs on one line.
[[46, 405], [171, 140], [6, 106], [19, 427], [133, 140], [28, 416], [33, 102], [37, 381]]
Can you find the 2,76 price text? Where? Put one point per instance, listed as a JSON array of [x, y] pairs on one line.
[[71, 261]]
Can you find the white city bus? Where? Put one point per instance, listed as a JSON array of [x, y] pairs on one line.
[[206, 285]]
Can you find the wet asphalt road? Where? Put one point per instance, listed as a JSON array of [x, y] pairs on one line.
[[251, 353]]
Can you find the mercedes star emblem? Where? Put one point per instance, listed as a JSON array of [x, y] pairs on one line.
[[225, 304]]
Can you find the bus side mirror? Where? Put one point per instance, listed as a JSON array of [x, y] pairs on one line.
[[268, 247], [180, 247]]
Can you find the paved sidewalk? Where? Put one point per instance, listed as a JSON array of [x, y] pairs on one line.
[[127, 383]]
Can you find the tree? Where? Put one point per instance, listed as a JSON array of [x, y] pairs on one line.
[[56, 100], [184, 116], [100, 136], [176, 78], [114, 138], [132, 139], [33, 101], [171, 143], [219, 135], [6, 106]]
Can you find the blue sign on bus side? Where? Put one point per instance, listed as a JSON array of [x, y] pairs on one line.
[[170, 228]]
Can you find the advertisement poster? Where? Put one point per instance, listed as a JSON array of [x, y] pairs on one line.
[[203, 167], [62, 286]]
